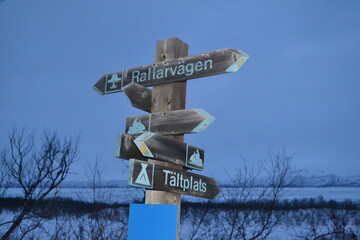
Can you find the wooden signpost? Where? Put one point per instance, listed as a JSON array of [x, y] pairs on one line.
[[170, 123], [156, 162], [174, 70], [153, 176]]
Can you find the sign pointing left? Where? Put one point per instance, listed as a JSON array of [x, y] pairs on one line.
[[156, 146]]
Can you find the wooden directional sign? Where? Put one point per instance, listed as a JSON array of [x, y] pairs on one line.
[[139, 96], [177, 70], [170, 123], [153, 176], [156, 146]]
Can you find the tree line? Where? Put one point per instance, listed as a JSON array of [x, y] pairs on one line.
[[244, 212]]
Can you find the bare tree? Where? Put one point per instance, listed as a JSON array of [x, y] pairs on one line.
[[333, 223], [101, 223], [198, 221], [4, 184], [246, 207], [248, 187], [4, 178], [38, 171]]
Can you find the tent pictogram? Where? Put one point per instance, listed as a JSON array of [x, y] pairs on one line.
[[143, 177]]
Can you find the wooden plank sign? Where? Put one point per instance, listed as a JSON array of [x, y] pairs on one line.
[[156, 146], [180, 69], [139, 96], [151, 145], [170, 123], [157, 177]]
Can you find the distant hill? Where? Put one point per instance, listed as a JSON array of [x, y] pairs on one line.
[[82, 184], [304, 178], [104, 184]]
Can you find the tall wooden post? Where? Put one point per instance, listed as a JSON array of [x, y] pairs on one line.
[[168, 97]]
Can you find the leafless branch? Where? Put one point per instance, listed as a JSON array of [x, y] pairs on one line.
[[38, 171]]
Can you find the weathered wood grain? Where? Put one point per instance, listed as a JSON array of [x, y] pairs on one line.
[[159, 147], [139, 96], [126, 148], [168, 97]]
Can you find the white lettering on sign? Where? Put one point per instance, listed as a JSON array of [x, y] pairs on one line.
[[175, 179], [183, 69]]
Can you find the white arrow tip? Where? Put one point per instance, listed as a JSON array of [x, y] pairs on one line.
[[141, 145], [209, 119], [241, 58]]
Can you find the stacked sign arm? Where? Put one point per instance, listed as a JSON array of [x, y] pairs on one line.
[[181, 69], [153, 176], [170, 123], [156, 146]]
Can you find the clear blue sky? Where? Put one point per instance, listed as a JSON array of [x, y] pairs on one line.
[[300, 87]]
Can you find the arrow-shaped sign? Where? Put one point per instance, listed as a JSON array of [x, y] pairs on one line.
[[139, 96], [170, 123], [153, 176], [202, 65], [156, 146], [151, 145]]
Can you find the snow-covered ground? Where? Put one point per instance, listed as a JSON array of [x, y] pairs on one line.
[[127, 194], [293, 224]]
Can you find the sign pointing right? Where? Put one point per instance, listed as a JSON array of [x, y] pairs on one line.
[[170, 123], [181, 69], [157, 177]]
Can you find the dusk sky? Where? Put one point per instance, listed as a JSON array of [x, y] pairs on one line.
[[300, 88]]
